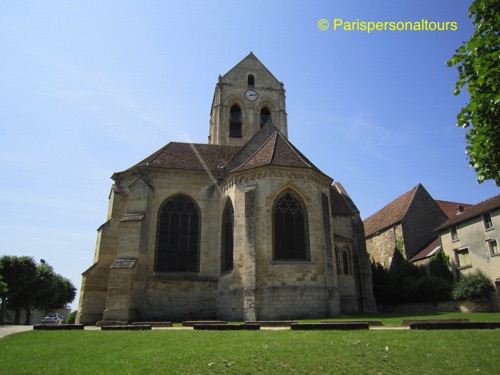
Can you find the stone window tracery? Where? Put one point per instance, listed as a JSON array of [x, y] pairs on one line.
[[290, 228], [178, 236]]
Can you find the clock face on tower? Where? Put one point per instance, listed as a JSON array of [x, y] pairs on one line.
[[251, 95]]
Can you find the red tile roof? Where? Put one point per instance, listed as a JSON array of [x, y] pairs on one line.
[[472, 211], [450, 208], [276, 150], [428, 250], [190, 156], [390, 215]]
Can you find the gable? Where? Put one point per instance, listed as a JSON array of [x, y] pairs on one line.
[[251, 64], [390, 215]]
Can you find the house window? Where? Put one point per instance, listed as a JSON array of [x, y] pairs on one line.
[[462, 258], [235, 122], [488, 224], [493, 247], [454, 233], [290, 228], [227, 240], [346, 261], [251, 80], [178, 236], [265, 116]]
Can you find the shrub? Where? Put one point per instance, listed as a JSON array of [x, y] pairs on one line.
[[72, 317], [475, 287]]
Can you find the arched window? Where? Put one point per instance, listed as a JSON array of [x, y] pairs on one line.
[[337, 258], [235, 122], [178, 236], [227, 239], [265, 116], [251, 80], [290, 228], [346, 261]]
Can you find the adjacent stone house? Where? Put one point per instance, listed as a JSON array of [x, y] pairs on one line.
[[406, 227], [470, 240], [242, 228]]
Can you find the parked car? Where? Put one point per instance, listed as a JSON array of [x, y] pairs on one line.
[[53, 318]]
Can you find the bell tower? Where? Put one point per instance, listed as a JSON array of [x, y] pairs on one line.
[[245, 98]]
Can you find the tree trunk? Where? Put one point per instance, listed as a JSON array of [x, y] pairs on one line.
[[17, 316], [28, 317], [2, 312]]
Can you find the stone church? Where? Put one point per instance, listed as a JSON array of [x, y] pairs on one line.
[[243, 228]]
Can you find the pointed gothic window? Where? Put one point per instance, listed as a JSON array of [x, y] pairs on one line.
[[265, 116], [290, 228], [251, 80], [178, 236], [227, 240], [235, 122]]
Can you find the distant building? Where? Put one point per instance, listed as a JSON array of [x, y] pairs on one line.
[[242, 228], [471, 240], [406, 227]]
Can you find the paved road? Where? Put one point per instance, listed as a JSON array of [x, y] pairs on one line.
[[10, 329]]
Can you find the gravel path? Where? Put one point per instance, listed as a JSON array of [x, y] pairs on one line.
[[10, 329]]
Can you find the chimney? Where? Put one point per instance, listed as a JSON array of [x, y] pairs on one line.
[[459, 209]]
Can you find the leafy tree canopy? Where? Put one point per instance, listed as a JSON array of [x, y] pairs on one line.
[[33, 286], [478, 64]]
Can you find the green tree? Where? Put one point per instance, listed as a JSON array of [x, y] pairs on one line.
[[478, 64], [3, 290], [20, 274], [52, 291]]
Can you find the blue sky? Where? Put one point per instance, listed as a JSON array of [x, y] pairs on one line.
[[92, 87]]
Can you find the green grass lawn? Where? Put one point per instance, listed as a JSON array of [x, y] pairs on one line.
[[255, 352]]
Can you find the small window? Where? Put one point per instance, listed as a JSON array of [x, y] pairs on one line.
[[462, 257], [488, 224], [346, 261], [454, 233], [251, 80], [235, 122], [265, 116], [493, 247]]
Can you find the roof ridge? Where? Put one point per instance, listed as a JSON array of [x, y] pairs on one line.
[[295, 150]]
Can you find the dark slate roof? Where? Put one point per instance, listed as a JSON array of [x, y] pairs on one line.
[[338, 204], [391, 214], [450, 208], [190, 156], [472, 212], [427, 251]]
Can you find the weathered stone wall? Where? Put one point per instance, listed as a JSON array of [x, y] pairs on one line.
[[422, 217], [381, 246]]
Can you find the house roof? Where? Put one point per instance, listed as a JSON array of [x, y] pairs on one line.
[[391, 214], [427, 251], [190, 156], [450, 208], [472, 211]]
